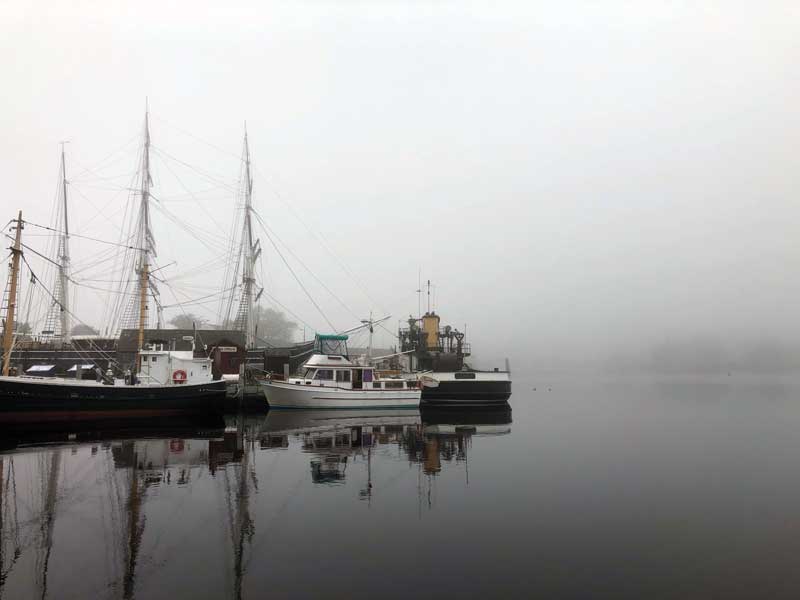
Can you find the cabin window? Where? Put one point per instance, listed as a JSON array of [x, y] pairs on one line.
[[464, 375], [205, 367], [154, 359], [343, 376], [393, 385], [377, 385], [324, 375], [367, 375]]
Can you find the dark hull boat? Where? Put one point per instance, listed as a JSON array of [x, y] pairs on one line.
[[162, 382], [466, 388], [23, 399], [438, 358]]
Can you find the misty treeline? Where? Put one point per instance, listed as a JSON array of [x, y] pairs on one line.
[[272, 325], [710, 355]]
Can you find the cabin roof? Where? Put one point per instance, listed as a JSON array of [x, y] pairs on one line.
[[129, 338], [332, 336], [328, 361]]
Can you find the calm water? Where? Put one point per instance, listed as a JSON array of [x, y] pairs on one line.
[[590, 487]]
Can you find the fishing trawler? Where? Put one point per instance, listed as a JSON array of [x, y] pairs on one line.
[[331, 380]]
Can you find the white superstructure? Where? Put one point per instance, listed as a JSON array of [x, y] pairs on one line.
[[173, 367], [333, 381]]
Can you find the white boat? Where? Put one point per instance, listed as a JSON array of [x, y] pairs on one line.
[[331, 380]]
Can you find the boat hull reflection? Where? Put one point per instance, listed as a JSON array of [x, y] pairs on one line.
[[297, 422], [485, 417], [93, 429]]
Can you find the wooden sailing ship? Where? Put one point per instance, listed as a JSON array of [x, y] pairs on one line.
[[163, 380]]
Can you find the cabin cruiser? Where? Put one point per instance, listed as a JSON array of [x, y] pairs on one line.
[[331, 380]]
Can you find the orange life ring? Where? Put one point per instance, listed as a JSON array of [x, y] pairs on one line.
[[179, 376]]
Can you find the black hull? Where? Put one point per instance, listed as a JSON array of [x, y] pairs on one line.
[[22, 401], [466, 392]]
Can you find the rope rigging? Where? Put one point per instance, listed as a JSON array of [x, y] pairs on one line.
[[115, 264], [86, 237]]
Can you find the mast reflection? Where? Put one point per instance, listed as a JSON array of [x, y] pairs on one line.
[[120, 487]]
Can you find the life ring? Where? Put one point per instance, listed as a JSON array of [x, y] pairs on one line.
[[426, 381], [179, 376]]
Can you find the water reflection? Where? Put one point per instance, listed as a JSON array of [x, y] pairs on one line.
[[108, 512], [336, 438]]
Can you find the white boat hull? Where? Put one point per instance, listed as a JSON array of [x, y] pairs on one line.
[[288, 395]]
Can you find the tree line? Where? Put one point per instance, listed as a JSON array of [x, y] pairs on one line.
[[272, 326]]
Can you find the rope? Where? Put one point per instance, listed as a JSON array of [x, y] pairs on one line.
[[318, 280], [300, 283], [86, 237]]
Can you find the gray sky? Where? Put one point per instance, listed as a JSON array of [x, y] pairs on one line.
[[576, 178]]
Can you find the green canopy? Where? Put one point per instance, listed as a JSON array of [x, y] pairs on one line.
[[325, 336]]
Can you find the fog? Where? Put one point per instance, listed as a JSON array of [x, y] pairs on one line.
[[583, 183]]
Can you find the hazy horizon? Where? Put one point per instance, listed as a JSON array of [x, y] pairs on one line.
[[580, 181]]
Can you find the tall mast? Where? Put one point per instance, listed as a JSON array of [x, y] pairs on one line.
[[8, 331], [250, 251], [63, 264], [146, 246], [57, 321]]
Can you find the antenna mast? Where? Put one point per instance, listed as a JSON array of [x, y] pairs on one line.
[[429, 296], [370, 323]]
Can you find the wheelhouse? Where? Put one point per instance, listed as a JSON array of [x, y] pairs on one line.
[[329, 366], [331, 345]]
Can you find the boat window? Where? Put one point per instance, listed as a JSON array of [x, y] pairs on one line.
[[377, 385], [343, 376], [324, 374], [154, 359], [464, 375], [393, 385], [205, 367], [367, 375], [309, 374]]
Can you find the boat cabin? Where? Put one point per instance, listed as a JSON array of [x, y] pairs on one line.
[[164, 367], [330, 367]]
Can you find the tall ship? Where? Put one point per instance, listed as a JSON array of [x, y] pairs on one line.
[[160, 380], [438, 356]]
